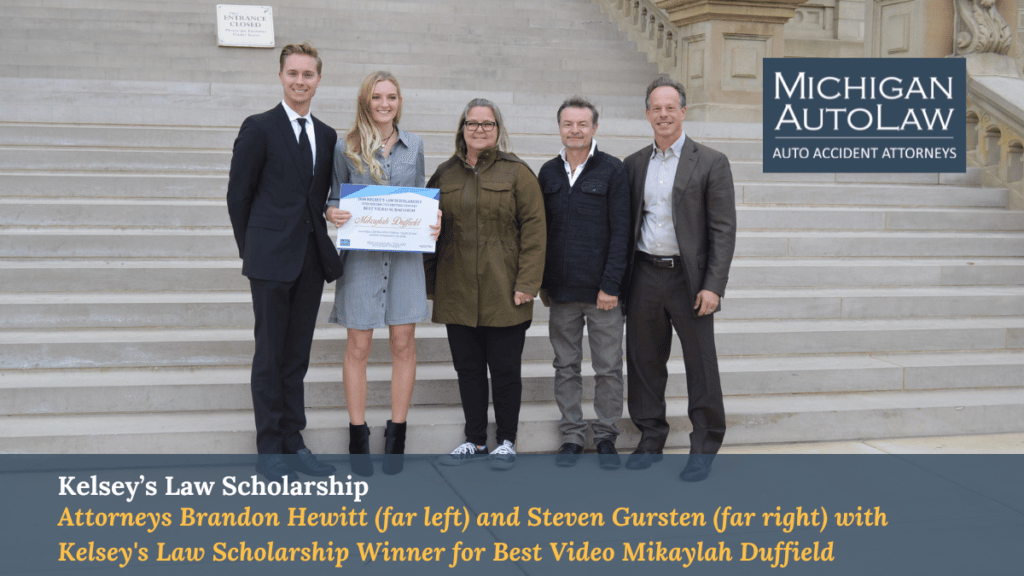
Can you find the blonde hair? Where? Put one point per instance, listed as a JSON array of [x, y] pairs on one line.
[[305, 49], [364, 138]]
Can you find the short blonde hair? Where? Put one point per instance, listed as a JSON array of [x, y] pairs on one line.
[[306, 49]]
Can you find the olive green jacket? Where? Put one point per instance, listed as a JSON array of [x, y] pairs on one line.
[[493, 237]]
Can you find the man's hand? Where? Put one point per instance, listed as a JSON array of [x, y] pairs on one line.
[[436, 230], [606, 302], [337, 216], [706, 302], [522, 298]]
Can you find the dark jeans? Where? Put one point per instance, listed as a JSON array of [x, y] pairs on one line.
[[499, 349]]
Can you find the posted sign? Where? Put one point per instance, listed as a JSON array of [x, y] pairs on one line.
[[246, 26]]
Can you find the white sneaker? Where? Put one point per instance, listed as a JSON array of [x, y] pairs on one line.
[[503, 457], [463, 454]]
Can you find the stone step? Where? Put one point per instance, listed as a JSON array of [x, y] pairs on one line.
[[390, 32], [81, 158], [115, 391], [23, 182], [506, 79], [134, 213], [113, 185], [42, 138], [753, 170], [859, 194], [844, 244], [111, 242], [873, 303], [433, 429], [870, 272], [138, 274], [140, 347], [840, 217], [825, 417], [313, 7], [536, 119], [346, 56], [20, 162], [226, 308], [329, 16], [102, 275], [196, 213], [172, 140], [337, 94]]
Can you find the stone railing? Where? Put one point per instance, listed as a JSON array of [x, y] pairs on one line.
[[649, 26], [995, 96], [995, 132]]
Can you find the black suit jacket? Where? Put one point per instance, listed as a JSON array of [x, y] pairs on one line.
[[703, 213], [274, 203]]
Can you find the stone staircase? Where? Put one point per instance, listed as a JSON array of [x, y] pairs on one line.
[[859, 306]]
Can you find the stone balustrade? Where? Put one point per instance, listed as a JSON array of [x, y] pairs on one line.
[[648, 26], [995, 132]]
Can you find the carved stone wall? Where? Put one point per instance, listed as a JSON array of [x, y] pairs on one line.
[[1020, 37], [981, 28], [826, 29], [909, 29], [721, 47]]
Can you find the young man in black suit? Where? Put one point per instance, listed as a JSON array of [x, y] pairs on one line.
[[278, 185]]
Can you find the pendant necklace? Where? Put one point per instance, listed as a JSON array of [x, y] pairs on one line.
[[384, 143]]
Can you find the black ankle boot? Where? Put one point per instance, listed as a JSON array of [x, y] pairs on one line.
[[394, 448], [359, 448]]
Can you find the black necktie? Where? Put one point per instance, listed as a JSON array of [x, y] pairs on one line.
[[304, 146]]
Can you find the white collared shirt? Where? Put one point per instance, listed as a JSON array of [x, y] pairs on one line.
[[657, 232], [573, 175], [292, 116]]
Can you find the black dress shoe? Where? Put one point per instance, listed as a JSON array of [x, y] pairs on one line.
[[643, 458], [697, 468], [305, 462], [568, 454], [608, 456], [273, 467]]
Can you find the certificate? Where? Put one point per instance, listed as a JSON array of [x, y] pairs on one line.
[[388, 218]]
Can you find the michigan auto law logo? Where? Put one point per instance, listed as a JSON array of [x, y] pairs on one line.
[[865, 115]]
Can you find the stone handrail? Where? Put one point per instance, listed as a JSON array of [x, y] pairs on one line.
[[995, 123], [649, 26]]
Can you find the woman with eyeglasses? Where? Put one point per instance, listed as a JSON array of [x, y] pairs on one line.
[[378, 289], [484, 275]]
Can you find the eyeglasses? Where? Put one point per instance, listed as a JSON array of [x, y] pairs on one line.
[[485, 126]]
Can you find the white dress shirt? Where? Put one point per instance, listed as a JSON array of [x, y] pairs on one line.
[[657, 232], [573, 175], [292, 117]]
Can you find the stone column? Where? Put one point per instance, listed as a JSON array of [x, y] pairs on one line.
[[722, 45]]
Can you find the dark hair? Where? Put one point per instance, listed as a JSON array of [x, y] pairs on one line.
[[578, 102], [665, 81], [305, 48]]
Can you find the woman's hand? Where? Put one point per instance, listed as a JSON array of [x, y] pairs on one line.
[[337, 216], [436, 230], [522, 298]]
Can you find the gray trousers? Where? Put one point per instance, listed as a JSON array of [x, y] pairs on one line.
[[604, 328]]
